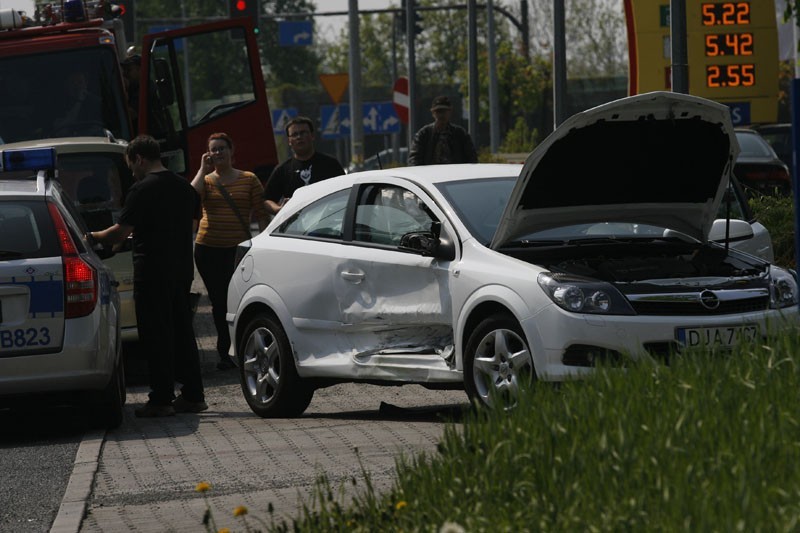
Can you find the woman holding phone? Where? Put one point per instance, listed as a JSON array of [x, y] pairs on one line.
[[231, 199]]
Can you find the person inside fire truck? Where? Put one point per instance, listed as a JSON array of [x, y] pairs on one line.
[[84, 112]]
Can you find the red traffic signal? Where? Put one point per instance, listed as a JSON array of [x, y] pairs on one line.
[[244, 8]]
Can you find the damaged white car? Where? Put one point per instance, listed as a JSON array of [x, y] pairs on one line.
[[486, 277]]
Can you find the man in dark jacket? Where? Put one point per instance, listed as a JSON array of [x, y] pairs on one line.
[[441, 142]]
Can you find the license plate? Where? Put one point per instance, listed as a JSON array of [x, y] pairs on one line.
[[720, 336]]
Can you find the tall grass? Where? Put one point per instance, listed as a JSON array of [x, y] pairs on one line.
[[709, 443]]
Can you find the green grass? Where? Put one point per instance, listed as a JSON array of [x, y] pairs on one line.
[[709, 443]]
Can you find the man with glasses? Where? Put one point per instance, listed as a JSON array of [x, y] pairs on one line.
[[305, 166], [441, 142]]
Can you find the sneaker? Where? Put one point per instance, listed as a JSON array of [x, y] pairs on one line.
[[182, 405], [150, 410], [225, 364]]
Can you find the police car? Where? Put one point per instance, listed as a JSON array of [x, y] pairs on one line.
[[59, 308], [93, 173]]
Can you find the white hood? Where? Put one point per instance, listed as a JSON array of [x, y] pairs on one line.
[[660, 158]]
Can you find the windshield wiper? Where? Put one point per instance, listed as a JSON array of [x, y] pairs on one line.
[[525, 243], [600, 240], [9, 254]]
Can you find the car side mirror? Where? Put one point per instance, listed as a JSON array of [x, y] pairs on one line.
[[740, 230], [429, 243]]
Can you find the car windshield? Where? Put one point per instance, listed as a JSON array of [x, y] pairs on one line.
[[752, 145], [480, 203], [38, 94]]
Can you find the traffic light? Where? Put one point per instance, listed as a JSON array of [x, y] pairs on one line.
[[417, 18], [244, 8]]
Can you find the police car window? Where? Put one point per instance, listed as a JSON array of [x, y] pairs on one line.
[[19, 230], [323, 218]]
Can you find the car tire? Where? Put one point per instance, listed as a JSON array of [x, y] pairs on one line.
[[267, 372], [108, 411], [497, 362]]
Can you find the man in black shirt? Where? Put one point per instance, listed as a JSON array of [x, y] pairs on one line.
[[160, 210], [306, 165]]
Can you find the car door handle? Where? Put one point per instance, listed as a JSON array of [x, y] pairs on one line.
[[355, 277]]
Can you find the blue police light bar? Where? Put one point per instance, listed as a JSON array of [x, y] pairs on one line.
[[28, 159]]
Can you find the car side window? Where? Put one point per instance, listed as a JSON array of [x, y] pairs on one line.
[[736, 208], [323, 218], [386, 212]]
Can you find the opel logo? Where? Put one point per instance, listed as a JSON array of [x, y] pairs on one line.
[[709, 300]]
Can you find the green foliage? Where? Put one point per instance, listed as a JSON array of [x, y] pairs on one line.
[[776, 213], [709, 443], [521, 138]]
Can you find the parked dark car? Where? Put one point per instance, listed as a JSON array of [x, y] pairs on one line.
[[779, 136], [758, 167]]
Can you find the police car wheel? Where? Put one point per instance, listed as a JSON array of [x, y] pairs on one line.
[[108, 411]]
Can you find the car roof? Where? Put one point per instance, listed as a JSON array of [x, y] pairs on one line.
[[19, 188], [445, 173], [71, 145]]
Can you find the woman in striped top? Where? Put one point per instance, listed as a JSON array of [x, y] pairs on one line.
[[231, 199]]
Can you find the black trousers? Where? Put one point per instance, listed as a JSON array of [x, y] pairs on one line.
[[166, 333], [216, 266]]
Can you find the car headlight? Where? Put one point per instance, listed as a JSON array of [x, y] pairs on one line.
[[582, 295], [783, 288]]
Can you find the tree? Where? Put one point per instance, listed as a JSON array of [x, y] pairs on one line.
[[596, 38]]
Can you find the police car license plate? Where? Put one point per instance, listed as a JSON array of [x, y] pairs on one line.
[[720, 336]]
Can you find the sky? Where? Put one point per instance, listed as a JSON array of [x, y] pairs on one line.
[[330, 26]]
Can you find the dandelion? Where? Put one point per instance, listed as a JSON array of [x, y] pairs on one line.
[[203, 486], [224, 530], [400, 505], [240, 511]]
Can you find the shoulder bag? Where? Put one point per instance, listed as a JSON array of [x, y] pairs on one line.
[[227, 196]]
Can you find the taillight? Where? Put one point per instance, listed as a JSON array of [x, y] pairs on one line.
[[80, 278]]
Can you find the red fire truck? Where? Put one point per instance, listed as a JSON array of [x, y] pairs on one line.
[[194, 81]]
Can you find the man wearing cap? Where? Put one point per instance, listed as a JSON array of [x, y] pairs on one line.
[[441, 142]]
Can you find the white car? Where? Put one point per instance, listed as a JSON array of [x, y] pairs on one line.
[[59, 308], [488, 276]]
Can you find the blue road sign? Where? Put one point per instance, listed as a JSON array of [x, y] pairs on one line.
[[740, 113], [379, 118], [295, 33], [335, 121], [280, 117]]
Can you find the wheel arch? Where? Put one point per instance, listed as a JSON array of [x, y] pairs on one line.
[[260, 299], [489, 301]]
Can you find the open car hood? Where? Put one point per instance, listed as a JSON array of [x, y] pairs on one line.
[[659, 158]]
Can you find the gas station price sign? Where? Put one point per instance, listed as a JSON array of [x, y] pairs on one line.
[[732, 52]]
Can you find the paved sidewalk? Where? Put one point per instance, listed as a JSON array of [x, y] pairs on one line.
[[146, 471]]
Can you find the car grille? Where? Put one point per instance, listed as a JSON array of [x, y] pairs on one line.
[[704, 303]]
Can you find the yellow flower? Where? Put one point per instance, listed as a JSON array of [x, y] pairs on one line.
[[203, 486], [240, 511], [224, 530], [400, 505]]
